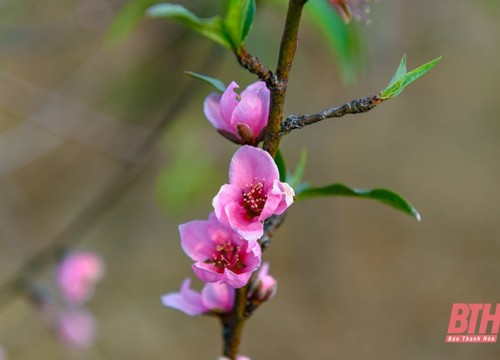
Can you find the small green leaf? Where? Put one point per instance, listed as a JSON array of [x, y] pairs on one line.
[[238, 21], [211, 28], [385, 196], [248, 17], [216, 83], [401, 80], [400, 72], [298, 174], [280, 163]]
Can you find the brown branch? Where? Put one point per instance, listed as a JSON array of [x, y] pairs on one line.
[[253, 64], [232, 326], [277, 84], [288, 47], [358, 106]]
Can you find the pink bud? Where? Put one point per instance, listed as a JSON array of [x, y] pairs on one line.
[[77, 275], [266, 285], [240, 118]]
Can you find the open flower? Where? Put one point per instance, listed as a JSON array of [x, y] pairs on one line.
[[77, 275], [347, 9], [221, 254], [240, 118], [214, 297], [253, 194]]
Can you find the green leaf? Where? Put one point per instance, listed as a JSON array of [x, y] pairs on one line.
[[238, 21], [385, 196], [248, 17], [211, 28], [400, 72], [216, 83], [402, 79], [280, 163], [126, 19], [298, 174], [344, 41]]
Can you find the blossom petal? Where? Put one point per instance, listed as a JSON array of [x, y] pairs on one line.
[[211, 108], [207, 272], [250, 163], [256, 86], [228, 102], [287, 199], [218, 296], [237, 280], [239, 222], [195, 240], [252, 110], [187, 300], [274, 198], [253, 256], [227, 194]]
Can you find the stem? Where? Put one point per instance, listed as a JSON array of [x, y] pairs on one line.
[[277, 83], [358, 106], [233, 326], [253, 64], [288, 47]]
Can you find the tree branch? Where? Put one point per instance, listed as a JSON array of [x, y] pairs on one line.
[[232, 327], [278, 87], [253, 64], [358, 106]]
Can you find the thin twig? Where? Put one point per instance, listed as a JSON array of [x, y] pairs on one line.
[[358, 106], [253, 64]]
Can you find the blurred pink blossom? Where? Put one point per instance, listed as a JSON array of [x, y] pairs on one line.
[[216, 297], [347, 9], [77, 275], [77, 328], [3, 353], [240, 118], [220, 254], [253, 194]]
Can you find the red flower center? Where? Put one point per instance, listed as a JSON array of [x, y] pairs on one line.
[[227, 256], [254, 198]]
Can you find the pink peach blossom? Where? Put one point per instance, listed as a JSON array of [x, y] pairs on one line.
[[77, 275], [214, 297], [240, 118], [253, 194], [221, 254], [77, 328]]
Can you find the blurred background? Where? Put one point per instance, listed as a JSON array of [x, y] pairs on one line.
[[104, 146]]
